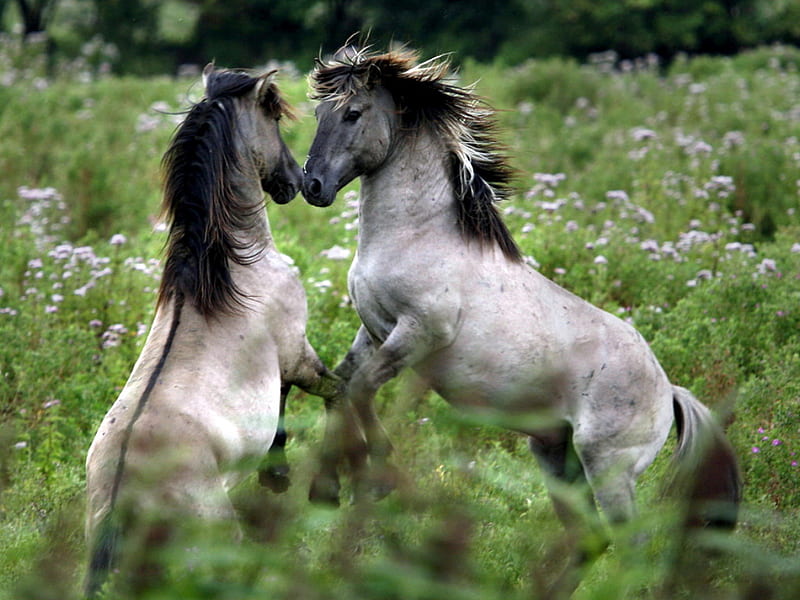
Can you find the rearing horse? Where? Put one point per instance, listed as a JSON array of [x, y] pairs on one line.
[[203, 403], [440, 286]]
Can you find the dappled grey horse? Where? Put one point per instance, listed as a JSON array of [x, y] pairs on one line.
[[203, 403], [440, 286]]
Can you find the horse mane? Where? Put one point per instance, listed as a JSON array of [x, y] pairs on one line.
[[203, 212], [427, 96]]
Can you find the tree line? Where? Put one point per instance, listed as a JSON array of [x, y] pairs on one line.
[[155, 36]]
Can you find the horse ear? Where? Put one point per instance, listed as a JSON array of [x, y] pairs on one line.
[[263, 86], [373, 77], [209, 68]]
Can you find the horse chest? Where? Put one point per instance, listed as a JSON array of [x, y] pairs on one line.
[[383, 291]]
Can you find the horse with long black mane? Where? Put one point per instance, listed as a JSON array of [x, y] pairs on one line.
[[441, 287], [204, 401]]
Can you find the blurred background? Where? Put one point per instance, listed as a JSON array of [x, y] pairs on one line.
[[158, 36]]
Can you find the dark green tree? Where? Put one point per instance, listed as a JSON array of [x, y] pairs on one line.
[[248, 32], [133, 26], [633, 27]]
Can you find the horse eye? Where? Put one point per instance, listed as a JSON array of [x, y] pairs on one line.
[[352, 115]]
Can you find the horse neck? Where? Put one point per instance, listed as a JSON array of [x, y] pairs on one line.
[[245, 187], [410, 195]]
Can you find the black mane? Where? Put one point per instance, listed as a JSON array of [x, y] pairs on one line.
[[427, 96], [201, 210]]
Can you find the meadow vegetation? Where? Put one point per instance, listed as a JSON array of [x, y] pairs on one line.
[[666, 195]]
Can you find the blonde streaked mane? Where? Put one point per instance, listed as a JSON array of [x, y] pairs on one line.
[[428, 96]]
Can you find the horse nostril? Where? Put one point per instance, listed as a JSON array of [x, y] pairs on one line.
[[314, 187]]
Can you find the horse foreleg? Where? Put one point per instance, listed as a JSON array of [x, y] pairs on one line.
[[403, 347], [342, 438], [274, 470]]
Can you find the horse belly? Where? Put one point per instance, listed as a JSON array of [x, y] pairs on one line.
[[485, 381]]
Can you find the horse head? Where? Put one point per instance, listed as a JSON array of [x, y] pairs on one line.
[[355, 131], [260, 111]]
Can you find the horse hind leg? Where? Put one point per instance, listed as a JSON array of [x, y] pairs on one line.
[[574, 505], [556, 455], [273, 473], [611, 471]]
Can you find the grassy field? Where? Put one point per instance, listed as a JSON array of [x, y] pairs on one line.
[[666, 196]]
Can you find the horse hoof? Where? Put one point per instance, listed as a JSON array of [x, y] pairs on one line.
[[275, 478], [378, 485], [324, 490]]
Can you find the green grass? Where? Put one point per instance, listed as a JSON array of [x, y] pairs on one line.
[[707, 268]]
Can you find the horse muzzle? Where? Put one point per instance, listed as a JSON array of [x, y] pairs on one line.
[[316, 193]]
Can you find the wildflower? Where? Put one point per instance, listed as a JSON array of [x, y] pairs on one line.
[[110, 340], [145, 123], [324, 284], [776, 442], [95, 323], [618, 195], [766, 265], [600, 260], [51, 403], [755, 449], [649, 246], [20, 445], [50, 309], [733, 139], [549, 179], [35, 263], [644, 216], [81, 291], [336, 252], [704, 274], [699, 147], [47, 193], [552, 206], [641, 134], [117, 239], [532, 262], [697, 88]]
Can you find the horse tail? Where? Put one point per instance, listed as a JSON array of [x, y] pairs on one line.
[[708, 465], [103, 554]]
